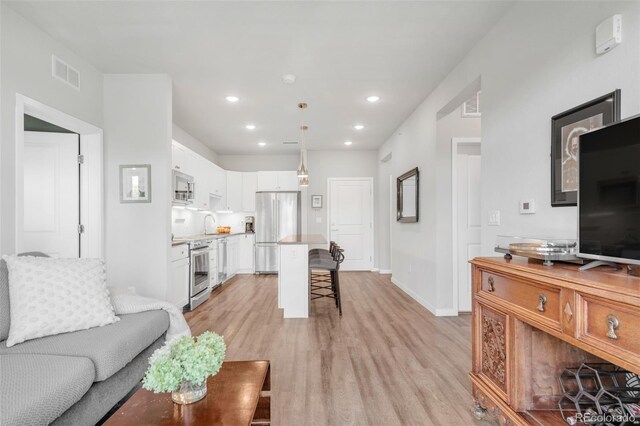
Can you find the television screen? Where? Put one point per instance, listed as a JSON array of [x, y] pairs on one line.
[[609, 193]]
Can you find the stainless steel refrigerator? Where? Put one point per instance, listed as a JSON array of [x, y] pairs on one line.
[[277, 216]]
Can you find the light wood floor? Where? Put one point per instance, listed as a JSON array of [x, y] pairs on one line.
[[387, 361]]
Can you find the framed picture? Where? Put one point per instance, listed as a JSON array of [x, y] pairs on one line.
[[566, 129], [135, 183], [316, 201]]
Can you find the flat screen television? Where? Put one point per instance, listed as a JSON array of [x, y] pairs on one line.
[[609, 193]]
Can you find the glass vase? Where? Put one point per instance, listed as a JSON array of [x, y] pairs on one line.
[[189, 392]]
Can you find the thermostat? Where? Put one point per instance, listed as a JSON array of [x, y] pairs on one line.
[[527, 206]]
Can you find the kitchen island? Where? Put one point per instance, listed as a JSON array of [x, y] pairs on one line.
[[293, 273]]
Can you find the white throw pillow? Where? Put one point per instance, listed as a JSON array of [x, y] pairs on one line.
[[50, 296]]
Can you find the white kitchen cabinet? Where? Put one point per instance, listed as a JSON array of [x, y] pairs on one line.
[[234, 191], [278, 181], [267, 181], [178, 157], [178, 288], [201, 176], [218, 186], [246, 253], [249, 188], [288, 181]]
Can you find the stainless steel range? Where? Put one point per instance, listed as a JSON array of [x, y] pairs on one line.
[[200, 280]]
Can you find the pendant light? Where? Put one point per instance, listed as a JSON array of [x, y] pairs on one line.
[[303, 171]]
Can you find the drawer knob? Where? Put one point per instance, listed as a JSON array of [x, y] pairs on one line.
[[614, 323], [491, 288], [542, 301]]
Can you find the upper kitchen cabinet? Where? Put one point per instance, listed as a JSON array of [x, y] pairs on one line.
[[178, 157], [218, 185], [234, 191], [288, 181], [277, 181], [249, 188], [202, 178]]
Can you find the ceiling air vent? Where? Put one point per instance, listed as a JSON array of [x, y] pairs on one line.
[[290, 143], [65, 72]]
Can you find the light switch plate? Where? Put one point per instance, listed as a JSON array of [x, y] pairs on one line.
[[528, 206], [318, 219], [494, 217]]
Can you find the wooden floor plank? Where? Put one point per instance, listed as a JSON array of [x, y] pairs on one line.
[[387, 361]]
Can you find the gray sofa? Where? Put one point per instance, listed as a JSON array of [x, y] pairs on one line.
[[73, 378]]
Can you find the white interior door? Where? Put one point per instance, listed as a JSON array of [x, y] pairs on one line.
[[468, 218], [351, 221], [51, 194]]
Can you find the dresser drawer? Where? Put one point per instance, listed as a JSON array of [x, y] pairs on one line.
[[540, 299], [612, 327]]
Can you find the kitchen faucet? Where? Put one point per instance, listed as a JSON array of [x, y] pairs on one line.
[[205, 222]]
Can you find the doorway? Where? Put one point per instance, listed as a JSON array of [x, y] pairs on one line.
[[466, 217], [59, 183], [350, 207], [51, 185]]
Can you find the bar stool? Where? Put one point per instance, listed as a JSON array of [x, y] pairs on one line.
[[326, 284], [319, 251]]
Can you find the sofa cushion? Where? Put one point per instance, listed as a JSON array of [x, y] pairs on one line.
[[51, 296], [5, 316], [37, 389], [110, 347]]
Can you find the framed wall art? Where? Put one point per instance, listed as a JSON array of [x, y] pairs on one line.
[[316, 201], [135, 183], [566, 129]]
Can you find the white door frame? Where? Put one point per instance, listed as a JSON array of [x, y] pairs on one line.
[[455, 143], [371, 209], [91, 176]]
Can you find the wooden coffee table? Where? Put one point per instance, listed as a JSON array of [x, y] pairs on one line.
[[237, 395]]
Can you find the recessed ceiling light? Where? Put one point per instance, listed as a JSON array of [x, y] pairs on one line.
[[373, 98], [347, 143], [358, 127], [232, 99], [250, 126], [262, 143]]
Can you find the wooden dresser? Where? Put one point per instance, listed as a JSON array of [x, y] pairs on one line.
[[531, 321]]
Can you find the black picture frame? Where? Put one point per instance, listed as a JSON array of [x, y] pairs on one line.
[[566, 129]]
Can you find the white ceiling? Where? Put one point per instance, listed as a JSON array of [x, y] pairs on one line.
[[341, 52]]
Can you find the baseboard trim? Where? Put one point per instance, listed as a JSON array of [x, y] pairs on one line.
[[435, 311], [384, 271], [374, 270]]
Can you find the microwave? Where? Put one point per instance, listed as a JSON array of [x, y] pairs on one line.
[[183, 187]]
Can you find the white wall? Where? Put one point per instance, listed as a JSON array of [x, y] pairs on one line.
[[252, 163], [539, 60], [185, 139], [335, 164], [25, 68], [138, 130]]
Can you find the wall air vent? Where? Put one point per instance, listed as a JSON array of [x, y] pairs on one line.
[[290, 143], [65, 72]]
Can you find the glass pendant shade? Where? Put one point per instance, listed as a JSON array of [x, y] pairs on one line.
[[302, 168], [303, 181]]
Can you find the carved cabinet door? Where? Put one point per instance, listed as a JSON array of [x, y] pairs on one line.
[[492, 349]]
